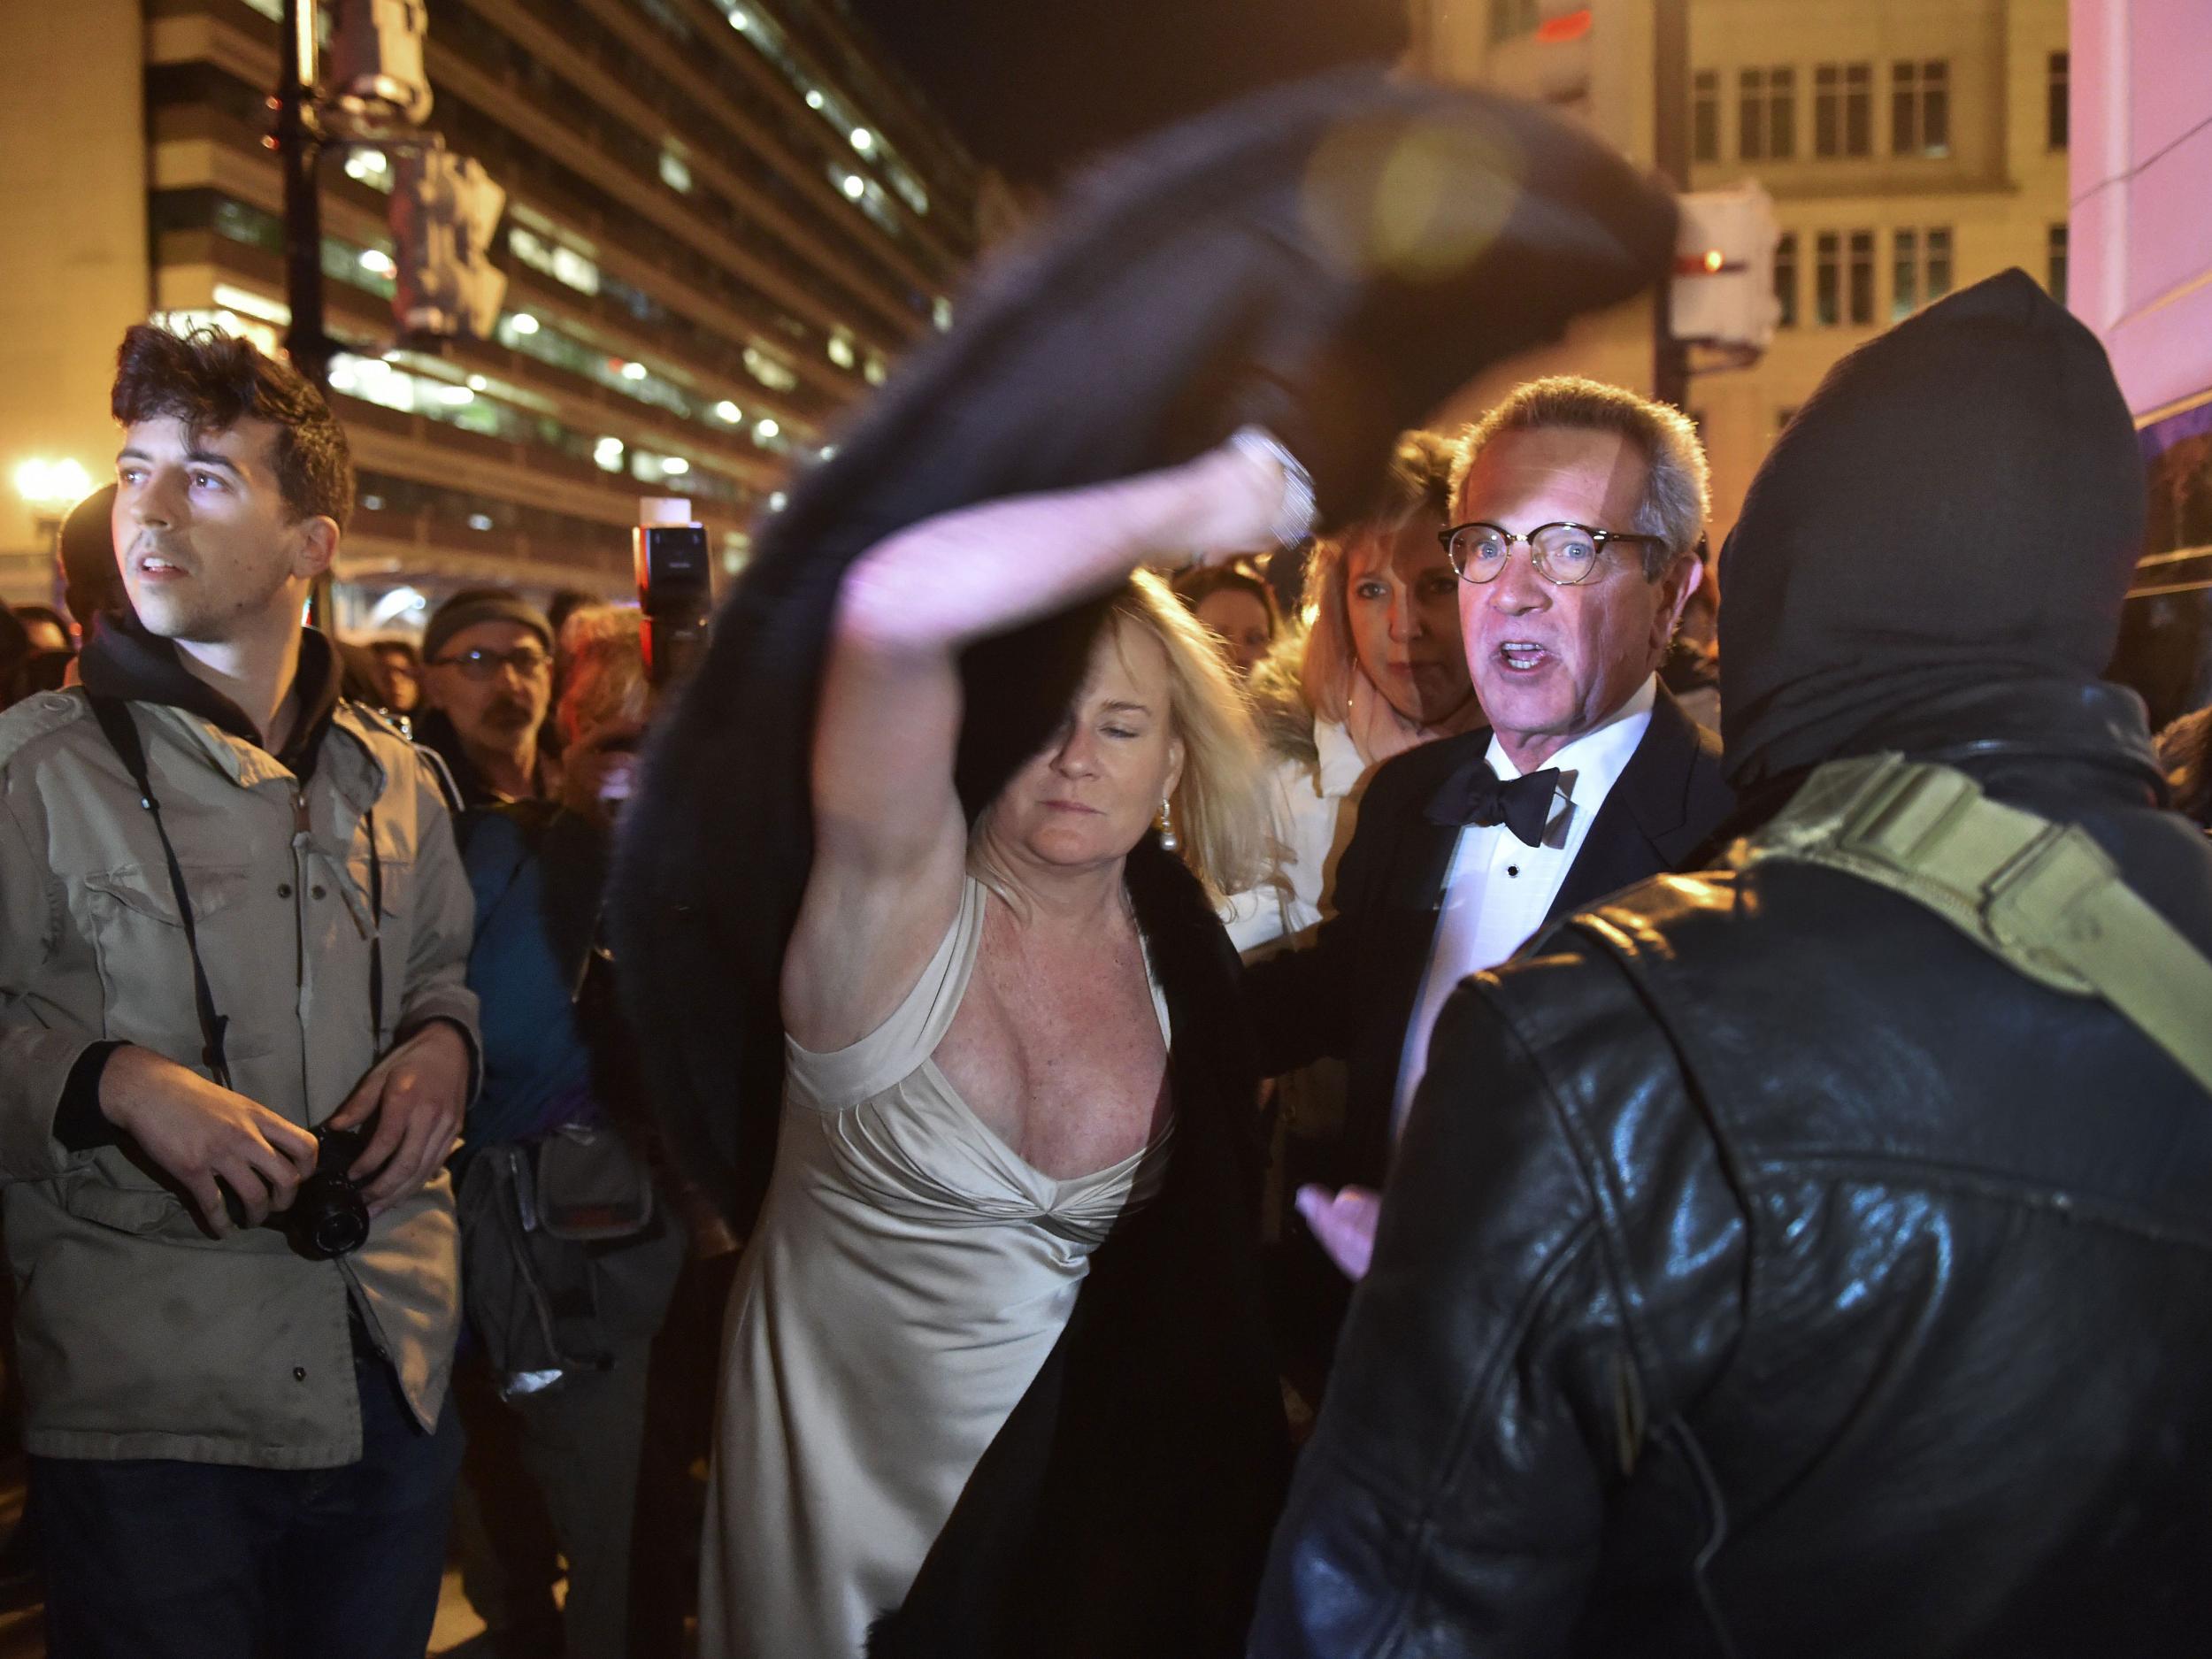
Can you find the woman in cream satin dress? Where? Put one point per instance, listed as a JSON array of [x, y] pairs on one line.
[[977, 1050]]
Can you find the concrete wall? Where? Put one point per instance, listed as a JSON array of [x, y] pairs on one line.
[[73, 259]]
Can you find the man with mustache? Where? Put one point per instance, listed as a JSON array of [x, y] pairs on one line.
[[487, 677], [231, 919], [1577, 516]]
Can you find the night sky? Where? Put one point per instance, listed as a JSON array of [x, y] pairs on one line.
[[1034, 86]]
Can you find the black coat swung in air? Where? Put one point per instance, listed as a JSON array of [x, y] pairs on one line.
[[1240, 269]]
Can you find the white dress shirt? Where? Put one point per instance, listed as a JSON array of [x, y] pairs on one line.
[[1499, 889]]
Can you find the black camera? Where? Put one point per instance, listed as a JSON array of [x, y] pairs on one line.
[[675, 590], [328, 1216]]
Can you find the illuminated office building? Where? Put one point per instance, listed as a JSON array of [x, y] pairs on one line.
[[725, 219]]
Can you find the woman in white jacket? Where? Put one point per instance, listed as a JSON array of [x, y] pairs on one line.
[[1378, 668]]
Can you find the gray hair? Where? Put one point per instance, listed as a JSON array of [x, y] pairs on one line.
[[1677, 497]]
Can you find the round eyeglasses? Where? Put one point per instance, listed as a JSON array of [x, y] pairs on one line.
[[526, 660], [1566, 555]]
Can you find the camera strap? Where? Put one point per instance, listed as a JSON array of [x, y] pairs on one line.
[[122, 735], [376, 935], [121, 729]]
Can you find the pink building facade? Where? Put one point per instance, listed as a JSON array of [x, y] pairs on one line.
[[2139, 246]]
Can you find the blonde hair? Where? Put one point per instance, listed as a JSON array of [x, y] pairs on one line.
[[1220, 817], [1418, 481], [593, 621], [606, 672]]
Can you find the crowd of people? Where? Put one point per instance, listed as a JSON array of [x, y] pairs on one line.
[[1468, 1099]]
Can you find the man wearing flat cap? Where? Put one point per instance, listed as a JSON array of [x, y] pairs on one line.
[[487, 676]]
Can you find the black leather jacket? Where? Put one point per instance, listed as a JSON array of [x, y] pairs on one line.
[[1767, 1269]]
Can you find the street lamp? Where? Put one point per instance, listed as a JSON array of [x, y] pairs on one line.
[[50, 488]]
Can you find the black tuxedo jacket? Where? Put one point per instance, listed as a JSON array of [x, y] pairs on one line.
[[1351, 994]]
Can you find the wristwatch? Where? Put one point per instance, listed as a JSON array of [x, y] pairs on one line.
[[1294, 520]]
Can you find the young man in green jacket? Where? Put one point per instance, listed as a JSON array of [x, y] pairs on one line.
[[231, 919]]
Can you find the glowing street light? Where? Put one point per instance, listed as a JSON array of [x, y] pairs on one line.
[[51, 488]]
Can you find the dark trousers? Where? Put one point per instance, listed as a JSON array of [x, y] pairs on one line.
[[154, 1558], [580, 1446]]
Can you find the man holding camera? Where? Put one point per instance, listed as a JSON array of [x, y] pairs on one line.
[[232, 921]]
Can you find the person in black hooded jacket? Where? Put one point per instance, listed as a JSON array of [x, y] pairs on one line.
[[1774, 1266]]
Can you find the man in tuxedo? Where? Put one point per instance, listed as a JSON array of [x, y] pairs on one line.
[[1577, 517]]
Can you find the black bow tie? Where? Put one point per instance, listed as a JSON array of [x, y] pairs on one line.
[[1476, 794]]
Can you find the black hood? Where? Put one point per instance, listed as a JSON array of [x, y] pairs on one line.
[[1958, 509], [123, 661]]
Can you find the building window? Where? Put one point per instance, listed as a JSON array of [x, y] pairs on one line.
[[1827, 278], [1781, 113], [1705, 116], [1920, 107], [1920, 270], [563, 263], [1511, 18], [1843, 114], [1766, 114], [1785, 278], [2055, 121], [1861, 276], [1935, 108], [2055, 252]]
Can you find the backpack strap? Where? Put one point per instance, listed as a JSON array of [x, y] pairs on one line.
[[2043, 897]]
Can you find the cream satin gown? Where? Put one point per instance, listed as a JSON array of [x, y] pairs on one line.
[[909, 1275]]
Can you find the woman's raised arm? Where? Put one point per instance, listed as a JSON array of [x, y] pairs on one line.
[[889, 841]]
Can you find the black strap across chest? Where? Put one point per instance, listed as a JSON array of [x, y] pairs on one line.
[[122, 730]]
